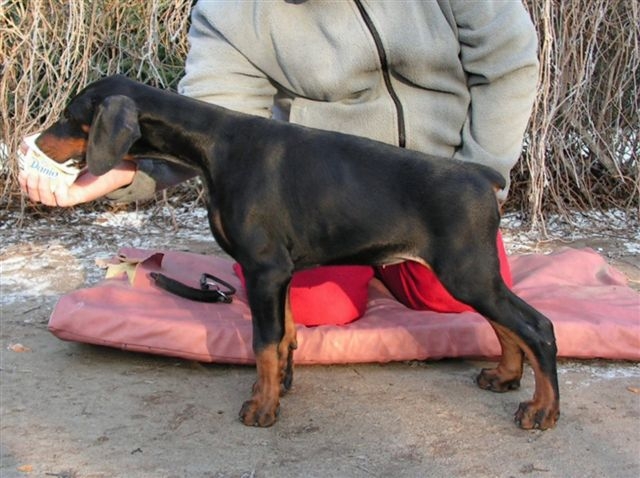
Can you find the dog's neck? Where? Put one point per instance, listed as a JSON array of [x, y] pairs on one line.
[[192, 143]]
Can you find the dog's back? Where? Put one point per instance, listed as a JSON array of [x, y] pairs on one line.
[[347, 199]]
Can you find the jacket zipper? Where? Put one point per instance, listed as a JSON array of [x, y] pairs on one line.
[[384, 63]]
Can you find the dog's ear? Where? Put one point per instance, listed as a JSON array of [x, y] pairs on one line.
[[113, 130]]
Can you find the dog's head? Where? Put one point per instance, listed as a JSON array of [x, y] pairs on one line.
[[98, 127]]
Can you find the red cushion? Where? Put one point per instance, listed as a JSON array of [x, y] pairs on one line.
[[328, 295], [417, 286]]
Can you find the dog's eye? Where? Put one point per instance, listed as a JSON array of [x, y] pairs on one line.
[[69, 116]]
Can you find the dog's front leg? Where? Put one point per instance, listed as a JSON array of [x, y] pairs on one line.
[[273, 345], [262, 408], [285, 350]]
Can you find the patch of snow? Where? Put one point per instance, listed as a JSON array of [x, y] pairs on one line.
[[597, 371], [612, 225]]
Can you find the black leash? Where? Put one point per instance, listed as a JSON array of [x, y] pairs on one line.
[[209, 290]]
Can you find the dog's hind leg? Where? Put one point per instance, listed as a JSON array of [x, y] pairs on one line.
[[506, 376], [521, 330], [533, 332]]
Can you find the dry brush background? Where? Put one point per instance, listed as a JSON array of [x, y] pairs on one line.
[[581, 150]]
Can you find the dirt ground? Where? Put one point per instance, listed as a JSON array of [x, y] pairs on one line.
[[71, 410]]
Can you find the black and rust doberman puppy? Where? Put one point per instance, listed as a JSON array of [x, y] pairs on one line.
[[284, 197]]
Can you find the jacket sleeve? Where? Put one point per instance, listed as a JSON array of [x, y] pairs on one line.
[[217, 73], [498, 50]]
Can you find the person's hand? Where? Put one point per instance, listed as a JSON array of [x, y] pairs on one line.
[[86, 187]]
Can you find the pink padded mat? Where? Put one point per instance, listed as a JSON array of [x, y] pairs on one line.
[[595, 315]]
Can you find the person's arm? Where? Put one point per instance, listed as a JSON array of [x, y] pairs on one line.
[[215, 70], [86, 188], [151, 176], [498, 50]]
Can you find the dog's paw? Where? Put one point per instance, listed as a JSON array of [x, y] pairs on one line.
[[532, 415], [492, 379], [254, 414]]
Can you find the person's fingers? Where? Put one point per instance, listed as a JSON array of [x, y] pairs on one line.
[[62, 196], [38, 188], [45, 191], [33, 183]]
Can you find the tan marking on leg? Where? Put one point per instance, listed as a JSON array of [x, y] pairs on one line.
[[262, 409], [286, 347], [506, 376], [543, 410]]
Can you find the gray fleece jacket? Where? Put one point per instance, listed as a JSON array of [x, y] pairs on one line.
[[452, 78]]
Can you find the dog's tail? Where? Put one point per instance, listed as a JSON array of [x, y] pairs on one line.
[[496, 179]]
